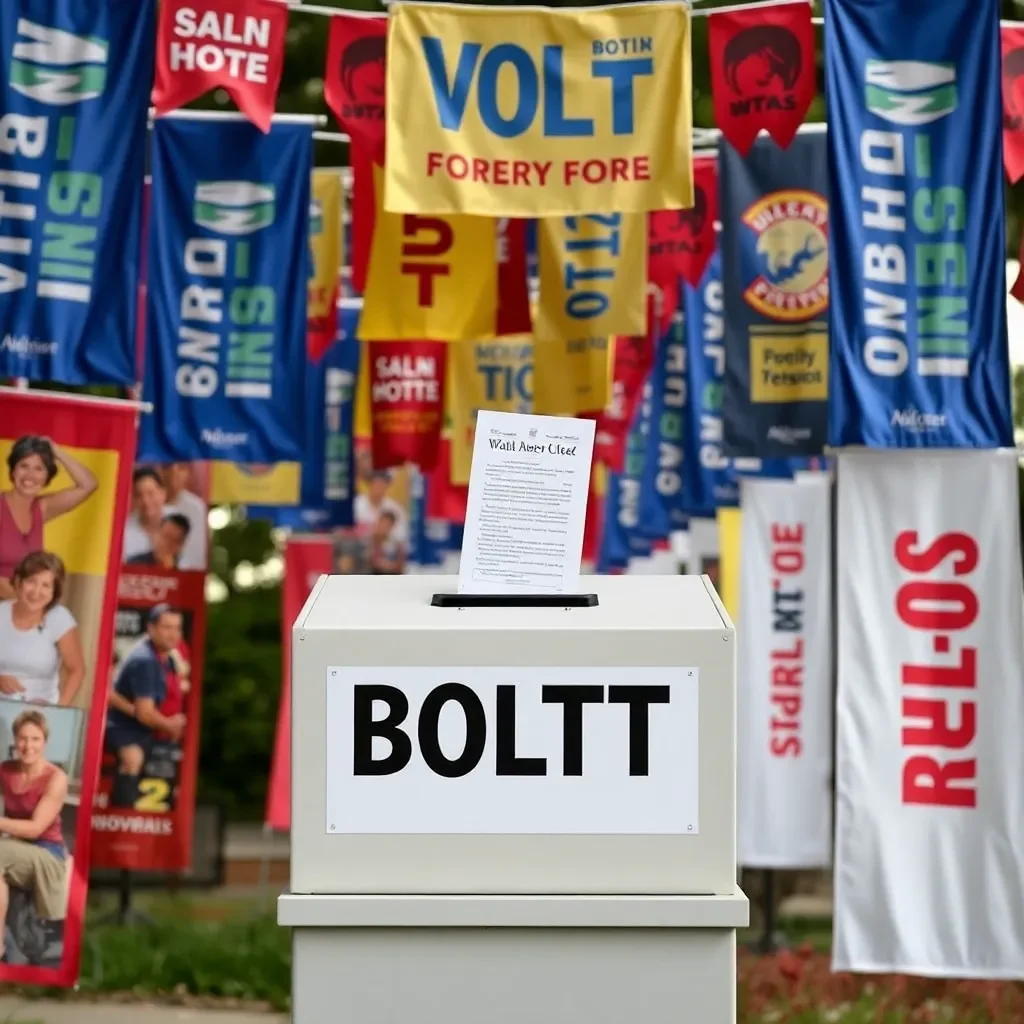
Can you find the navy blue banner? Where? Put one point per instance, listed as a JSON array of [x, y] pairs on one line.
[[328, 465], [621, 538], [661, 482], [226, 314], [429, 539], [74, 91], [710, 480], [775, 274], [919, 357]]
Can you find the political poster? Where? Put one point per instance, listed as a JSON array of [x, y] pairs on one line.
[[495, 375], [74, 108], [775, 280], [228, 270], [929, 875], [68, 465], [326, 211], [145, 800], [538, 112], [306, 559], [917, 229], [784, 675], [592, 277], [234, 45], [430, 278]]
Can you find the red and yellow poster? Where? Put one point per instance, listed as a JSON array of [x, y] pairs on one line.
[[67, 463]]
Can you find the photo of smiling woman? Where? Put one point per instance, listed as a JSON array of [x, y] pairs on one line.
[[32, 464], [41, 659]]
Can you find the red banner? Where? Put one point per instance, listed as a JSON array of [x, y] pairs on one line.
[[762, 71], [406, 401], [145, 802], [306, 559], [354, 80], [62, 515], [513, 315], [364, 214], [632, 361], [680, 242], [1013, 101], [446, 501], [234, 45]]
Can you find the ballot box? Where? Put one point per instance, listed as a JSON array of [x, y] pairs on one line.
[[509, 809]]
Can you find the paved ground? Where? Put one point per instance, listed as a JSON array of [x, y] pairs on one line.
[[30, 1011]]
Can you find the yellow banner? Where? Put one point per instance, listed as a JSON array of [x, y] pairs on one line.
[[325, 245], [495, 375], [571, 378], [593, 277], [362, 421], [232, 483], [729, 522], [532, 112], [430, 278]]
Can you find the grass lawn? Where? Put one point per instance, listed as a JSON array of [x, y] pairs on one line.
[[199, 949]]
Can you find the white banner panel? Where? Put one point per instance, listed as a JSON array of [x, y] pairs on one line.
[[784, 683], [929, 873]]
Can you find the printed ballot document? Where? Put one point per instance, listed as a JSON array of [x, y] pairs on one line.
[[527, 506]]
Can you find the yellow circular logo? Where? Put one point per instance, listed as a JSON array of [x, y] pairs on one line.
[[792, 255]]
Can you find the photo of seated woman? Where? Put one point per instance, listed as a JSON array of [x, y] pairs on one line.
[[35, 862], [41, 658]]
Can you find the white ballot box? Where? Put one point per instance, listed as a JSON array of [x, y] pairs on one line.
[[513, 808]]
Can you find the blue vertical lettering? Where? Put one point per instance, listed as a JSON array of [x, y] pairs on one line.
[[622, 73], [450, 100], [555, 121]]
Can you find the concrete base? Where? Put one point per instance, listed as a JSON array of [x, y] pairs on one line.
[[510, 959]]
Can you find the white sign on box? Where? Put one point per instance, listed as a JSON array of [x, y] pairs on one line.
[[584, 751]]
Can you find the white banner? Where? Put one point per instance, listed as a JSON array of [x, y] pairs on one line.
[[784, 688], [929, 873]]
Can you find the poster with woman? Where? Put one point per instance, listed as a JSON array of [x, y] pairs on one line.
[[66, 465], [145, 800]]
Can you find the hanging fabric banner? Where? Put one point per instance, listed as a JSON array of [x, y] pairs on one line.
[[62, 520], [430, 277], [240, 483], [446, 500], [538, 112], [763, 71], [917, 233], [327, 470], [730, 530], [929, 763], [1012, 43], [661, 483], [72, 164], [406, 401], [364, 216], [680, 242], [234, 45], [325, 243], [495, 375], [592, 277], [784, 675], [571, 378], [775, 274], [513, 315], [228, 269], [710, 480], [306, 559], [146, 798], [354, 80], [632, 359]]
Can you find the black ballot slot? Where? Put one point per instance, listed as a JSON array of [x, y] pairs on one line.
[[514, 601]]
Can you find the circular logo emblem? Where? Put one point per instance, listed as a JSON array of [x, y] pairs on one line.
[[792, 255]]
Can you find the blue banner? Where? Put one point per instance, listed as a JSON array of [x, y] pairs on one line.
[[226, 316], [328, 465], [621, 538], [74, 94], [661, 482], [710, 479], [429, 539], [774, 245], [918, 237]]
